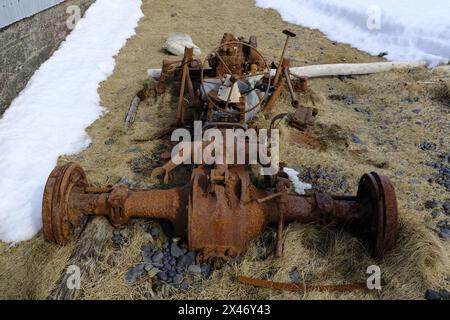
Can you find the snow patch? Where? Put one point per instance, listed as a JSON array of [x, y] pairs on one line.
[[50, 115], [299, 186], [405, 29]]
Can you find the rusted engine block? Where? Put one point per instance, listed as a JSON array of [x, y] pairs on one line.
[[220, 211]]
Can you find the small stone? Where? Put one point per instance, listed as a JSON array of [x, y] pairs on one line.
[[155, 231], [109, 141], [186, 260], [185, 286], [430, 204], [157, 257], [206, 270], [356, 139], [157, 265], [351, 100], [427, 146], [162, 276], [432, 295], [178, 279], [294, 276], [417, 111], [118, 240], [308, 277], [445, 233], [419, 122], [435, 213], [171, 273], [167, 266], [175, 250], [446, 207], [195, 269], [135, 273]]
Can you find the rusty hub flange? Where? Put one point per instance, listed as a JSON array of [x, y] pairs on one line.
[[61, 221], [379, 195]]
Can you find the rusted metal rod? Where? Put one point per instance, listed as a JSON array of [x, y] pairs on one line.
[[289, 35]]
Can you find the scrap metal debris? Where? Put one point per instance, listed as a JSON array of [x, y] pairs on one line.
[[220, 210], [301, 287]]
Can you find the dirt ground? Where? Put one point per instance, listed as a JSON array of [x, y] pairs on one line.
[[366, 123]]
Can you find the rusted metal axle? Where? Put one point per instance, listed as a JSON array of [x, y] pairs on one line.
[[219, 217]]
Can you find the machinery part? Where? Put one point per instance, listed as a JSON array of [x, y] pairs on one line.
[[286, 63], [298, 287], [220, 211], [384, 218], [289, 35], [60, 220], [304, 118], [232, 62]]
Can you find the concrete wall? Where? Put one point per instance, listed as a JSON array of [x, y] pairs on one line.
[[26, 44]]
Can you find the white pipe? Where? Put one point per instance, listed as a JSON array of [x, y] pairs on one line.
[[341, 69]]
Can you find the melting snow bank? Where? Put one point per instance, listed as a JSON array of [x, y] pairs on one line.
[[50, 115], [299, 186], [405, 29]]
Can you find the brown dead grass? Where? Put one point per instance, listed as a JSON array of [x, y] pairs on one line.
[[418, 262]]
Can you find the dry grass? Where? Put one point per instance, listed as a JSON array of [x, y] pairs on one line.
[[391, 135]]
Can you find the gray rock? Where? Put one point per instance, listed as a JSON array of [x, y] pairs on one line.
[[445, 233], [435, 213], [175, 250], [167, 266], [135, 273], [357, 140], [155, 231], [195, 269], [178, 279], [432, 295], [171, 273], [185, 286], [162, 276], [206, 270], [109, 141], [430, 204], [158, 256], [186, 260], [147, 253], [118, 240], [158, 265], [308, 276], [427, 146], [294, 276], [446, 207]]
